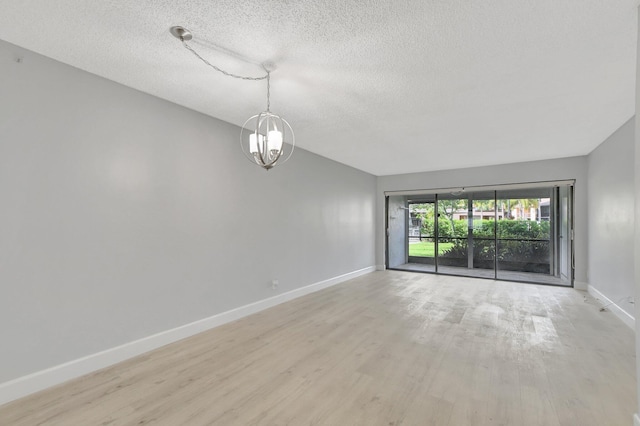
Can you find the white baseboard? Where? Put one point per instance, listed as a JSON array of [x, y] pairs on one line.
[[381, 267], [636, 420], [613, 307], [580, 285], [40, 380]]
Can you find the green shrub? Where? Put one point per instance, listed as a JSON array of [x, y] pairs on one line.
[[445, 229], [482, 250], [508, 232]]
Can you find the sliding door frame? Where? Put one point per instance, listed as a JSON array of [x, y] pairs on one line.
[[554, 243]]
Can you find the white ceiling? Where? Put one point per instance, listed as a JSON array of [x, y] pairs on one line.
[[384, 86]]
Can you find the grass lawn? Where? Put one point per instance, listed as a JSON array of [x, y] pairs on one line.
[[427, 249]]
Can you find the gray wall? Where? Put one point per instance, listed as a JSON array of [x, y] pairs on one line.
[[534, 171], [124, 215], [611, 216]]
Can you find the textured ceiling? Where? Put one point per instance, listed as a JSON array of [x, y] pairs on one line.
[[384, 86]]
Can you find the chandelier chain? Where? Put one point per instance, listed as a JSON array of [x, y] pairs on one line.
[[190, 49], [268, 91]]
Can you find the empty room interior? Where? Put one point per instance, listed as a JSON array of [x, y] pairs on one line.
[[319, 213]]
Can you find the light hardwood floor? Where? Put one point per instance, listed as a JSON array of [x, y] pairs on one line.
[[389, 348]]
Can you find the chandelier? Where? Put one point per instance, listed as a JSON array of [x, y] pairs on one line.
[[266, 138]]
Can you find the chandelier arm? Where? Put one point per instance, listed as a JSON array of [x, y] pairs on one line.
[[292, 142], [265, 146], [228, 74], [275, 160]]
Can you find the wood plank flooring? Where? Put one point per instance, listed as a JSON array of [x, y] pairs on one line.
[[389, 348]]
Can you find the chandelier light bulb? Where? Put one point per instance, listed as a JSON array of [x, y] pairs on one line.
[[275, 140], [255, 143], [267, 139]]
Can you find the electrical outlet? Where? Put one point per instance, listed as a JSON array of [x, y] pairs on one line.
[[274, 284]]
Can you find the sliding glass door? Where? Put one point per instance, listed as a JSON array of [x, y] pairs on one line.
[[422, 234], [516, 234], [482, 233], [564, 240], [453, 233], [524, 235], [397, 232]]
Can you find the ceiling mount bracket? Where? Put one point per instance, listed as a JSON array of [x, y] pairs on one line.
[[181, 33]]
